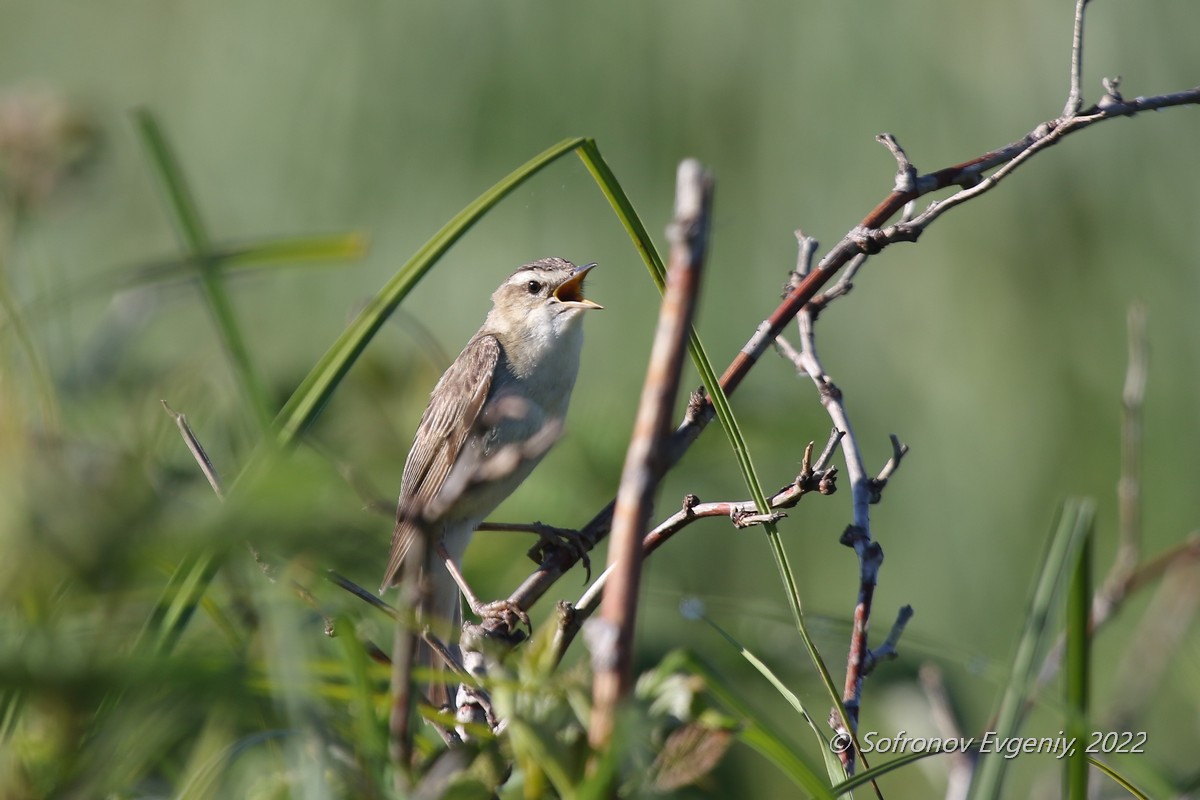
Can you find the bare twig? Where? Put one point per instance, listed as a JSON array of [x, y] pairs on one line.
[[549, 536], [819, 477], [906, 173], [970, 174], [870, 236], [197, 449], [370, 598], [865, 490], [870, 557], [899, 450], [840, 288], [404, 649], [1124, 575], [1129, 486], [889, 650], [805, 253], [1075, 93], [644, 463], [1155, 644], [815, 476], [1186, 552]]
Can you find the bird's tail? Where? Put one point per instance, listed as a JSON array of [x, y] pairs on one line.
[[441, 614], [438, 607]]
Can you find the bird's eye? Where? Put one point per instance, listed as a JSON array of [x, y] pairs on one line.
[[534, 287]]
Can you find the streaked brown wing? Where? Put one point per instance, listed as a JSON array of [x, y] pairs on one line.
[[447, 422]]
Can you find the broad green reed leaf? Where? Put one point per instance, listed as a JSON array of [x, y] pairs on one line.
[[310, 397], [1077, 671]]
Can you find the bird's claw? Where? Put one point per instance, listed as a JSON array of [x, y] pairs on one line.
[[506, 612], [551, 538]]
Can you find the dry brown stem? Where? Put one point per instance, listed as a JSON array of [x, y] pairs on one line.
[[611, 644]]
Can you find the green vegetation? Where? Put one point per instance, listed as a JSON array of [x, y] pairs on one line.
[[223, 208]]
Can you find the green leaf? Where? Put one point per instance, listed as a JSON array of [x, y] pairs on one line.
[[198, 248], [1077, 671], [537, 755], [833, 765], [1118, 778], [178, 603], [336, 249], [866, 776], [42, 380], [754, 731], [369, 738], [186, 214]]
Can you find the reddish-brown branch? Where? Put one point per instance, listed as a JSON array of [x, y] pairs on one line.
[[814, 477], [870, 559]]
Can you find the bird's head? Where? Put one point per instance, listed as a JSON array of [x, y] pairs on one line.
[[542, 300]]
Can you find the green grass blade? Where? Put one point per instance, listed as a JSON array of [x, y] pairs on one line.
[[1077, 672], [180, 599], [14, 317], [186, 214], [315, 390], [198, 247], [1119, 779], [369, 735], [207, 762], [547, 757], [866, 776], [1074, 525], [611, 188], [775, 750], [334, 249], [755, 733], [833, 765], [862, 778], [338, 247], [12, 700]]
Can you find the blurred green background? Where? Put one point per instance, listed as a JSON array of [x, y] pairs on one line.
[[995, 347]]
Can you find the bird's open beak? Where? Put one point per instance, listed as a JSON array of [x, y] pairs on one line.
[[571, 292]]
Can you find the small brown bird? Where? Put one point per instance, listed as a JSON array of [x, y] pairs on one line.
[[492, 416]]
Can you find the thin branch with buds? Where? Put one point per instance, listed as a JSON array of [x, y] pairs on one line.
[[865, 490], [815, 476]]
